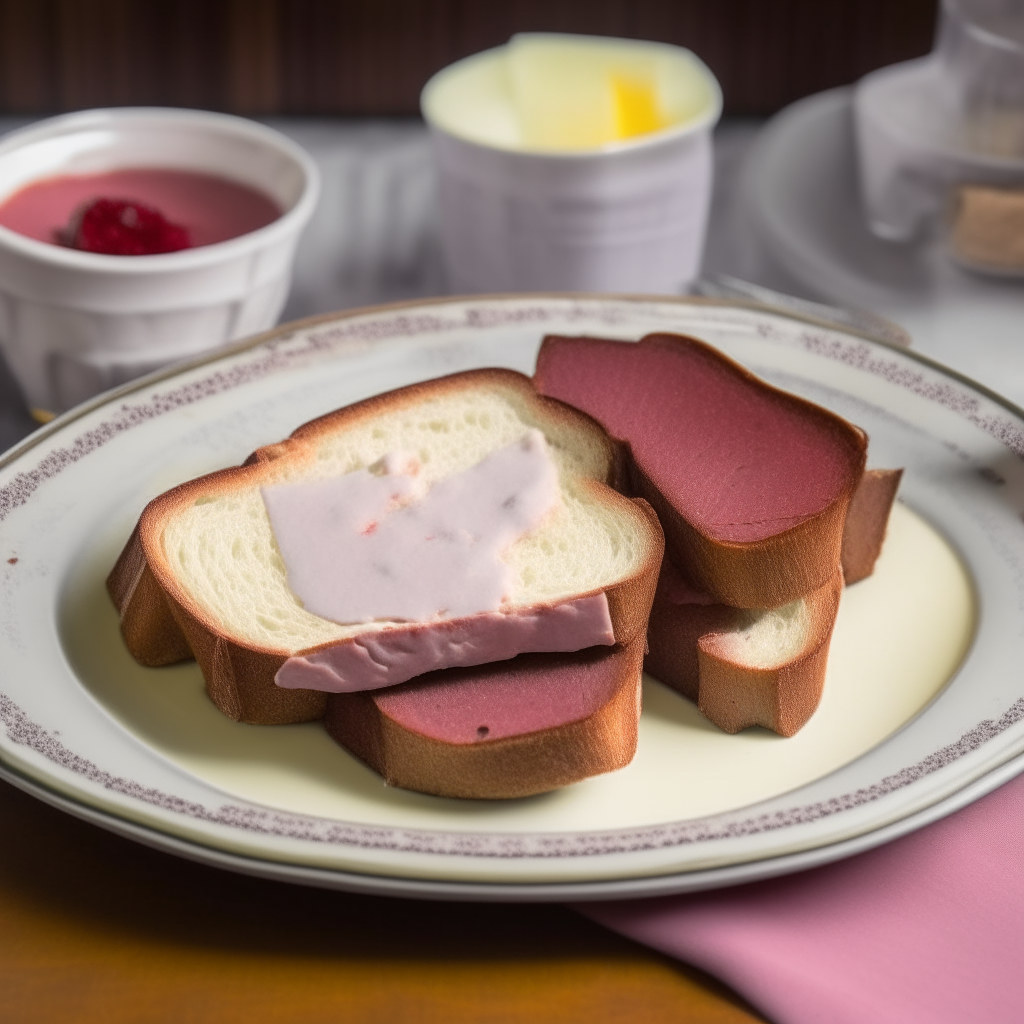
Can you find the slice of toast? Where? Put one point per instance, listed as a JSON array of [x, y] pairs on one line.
[[508, 729], [751, 484], [742, 667], [764, 667], [202, 575]]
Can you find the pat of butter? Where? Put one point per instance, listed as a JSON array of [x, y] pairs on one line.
[[552, 92], [371, 546], [573, 92]]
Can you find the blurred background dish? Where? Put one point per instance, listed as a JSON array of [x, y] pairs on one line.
[[928, 128], [796, 224]]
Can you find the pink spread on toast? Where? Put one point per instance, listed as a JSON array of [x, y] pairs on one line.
[[360, 547], [372, 546], [513, 699], [732, 455], [390, 656]]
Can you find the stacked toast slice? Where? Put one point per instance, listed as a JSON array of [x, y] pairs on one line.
[[765, 505], [208, 574]]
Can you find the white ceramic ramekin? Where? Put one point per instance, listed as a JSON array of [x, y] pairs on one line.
[[630, 216], [75, 323]]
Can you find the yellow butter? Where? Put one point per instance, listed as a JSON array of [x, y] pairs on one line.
[[554, 92], [578, 92], [637, 107]]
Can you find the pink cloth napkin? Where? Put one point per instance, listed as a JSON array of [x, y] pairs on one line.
[[926, 930]]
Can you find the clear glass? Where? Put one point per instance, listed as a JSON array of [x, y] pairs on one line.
[[980, 50]]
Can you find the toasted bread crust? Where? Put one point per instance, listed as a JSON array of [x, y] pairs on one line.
[[759, 574], [158, 631], [763, 573], [514, 766], [629, 600], [673, 635], [150, 631], [687, 654], [161, 623], [866, 522]]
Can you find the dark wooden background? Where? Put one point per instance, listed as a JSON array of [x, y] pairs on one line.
[[352, 57]]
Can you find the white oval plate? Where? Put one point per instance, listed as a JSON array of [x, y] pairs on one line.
[[924, 702]]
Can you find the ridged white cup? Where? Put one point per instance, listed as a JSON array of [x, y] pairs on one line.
[[74, 323], [628, 217]]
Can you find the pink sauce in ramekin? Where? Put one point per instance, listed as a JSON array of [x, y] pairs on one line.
[[211, 208]]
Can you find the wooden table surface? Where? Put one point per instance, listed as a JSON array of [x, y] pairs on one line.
[[96, 928]]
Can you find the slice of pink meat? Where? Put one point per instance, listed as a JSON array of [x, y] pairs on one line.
[[739, 459], [499, 731], [512, 698]]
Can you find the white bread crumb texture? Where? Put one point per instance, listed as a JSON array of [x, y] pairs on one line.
[[223, 553], [768, 638]]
